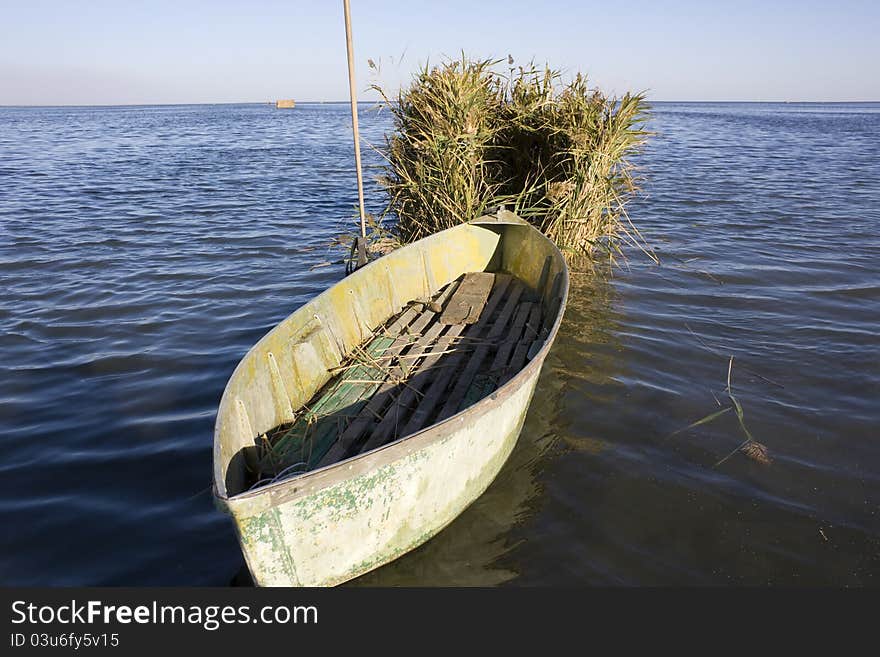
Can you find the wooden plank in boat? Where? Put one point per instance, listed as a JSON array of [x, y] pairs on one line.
[[313, 424], [397, 410], [467, 303], [545, 275], [433, 395], [555, 298], [502, 356], [401, 322], [453, 401], [520, 354], [382, 398], [311, 431], [396, 414], [374, 372], [396, 373], [484, 383], [482, 386]]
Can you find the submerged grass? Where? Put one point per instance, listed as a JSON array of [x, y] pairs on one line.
[[754, 450], [468, 138]]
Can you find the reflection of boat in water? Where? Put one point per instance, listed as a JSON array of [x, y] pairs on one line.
[[375, 439]]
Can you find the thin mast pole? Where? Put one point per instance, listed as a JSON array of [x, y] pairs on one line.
[[352, 92]]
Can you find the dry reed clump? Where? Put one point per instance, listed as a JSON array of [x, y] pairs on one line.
[[468, 138]]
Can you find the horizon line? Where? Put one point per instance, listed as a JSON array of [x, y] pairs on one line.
[[376, 102]]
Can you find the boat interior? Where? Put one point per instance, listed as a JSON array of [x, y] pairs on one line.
[[403, 343], [436, 357]]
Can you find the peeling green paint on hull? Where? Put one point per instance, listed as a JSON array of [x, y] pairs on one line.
[[333, 524]]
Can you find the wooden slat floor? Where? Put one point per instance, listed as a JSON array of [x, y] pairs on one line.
[[416, 370]]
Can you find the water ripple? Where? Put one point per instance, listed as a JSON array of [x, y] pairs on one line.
[[143, 250]]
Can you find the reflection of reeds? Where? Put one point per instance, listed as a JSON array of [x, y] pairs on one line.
[[468, 138]]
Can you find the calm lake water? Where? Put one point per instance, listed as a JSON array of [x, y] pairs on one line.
[[143, 250]]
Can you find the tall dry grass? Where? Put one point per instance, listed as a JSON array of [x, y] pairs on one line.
[[469, 137]]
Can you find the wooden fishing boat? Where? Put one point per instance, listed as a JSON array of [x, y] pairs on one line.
[[375, 414]]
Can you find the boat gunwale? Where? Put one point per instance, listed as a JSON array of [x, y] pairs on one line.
[[298, 485]]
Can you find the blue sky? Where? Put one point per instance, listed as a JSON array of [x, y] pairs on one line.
[[164, 51]]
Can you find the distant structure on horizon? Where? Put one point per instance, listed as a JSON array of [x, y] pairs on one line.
[[285, 104]]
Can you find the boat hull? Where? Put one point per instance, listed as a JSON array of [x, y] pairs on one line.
[[335, 523], [347, 524]]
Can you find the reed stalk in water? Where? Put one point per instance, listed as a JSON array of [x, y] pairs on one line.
[[754, 450]]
